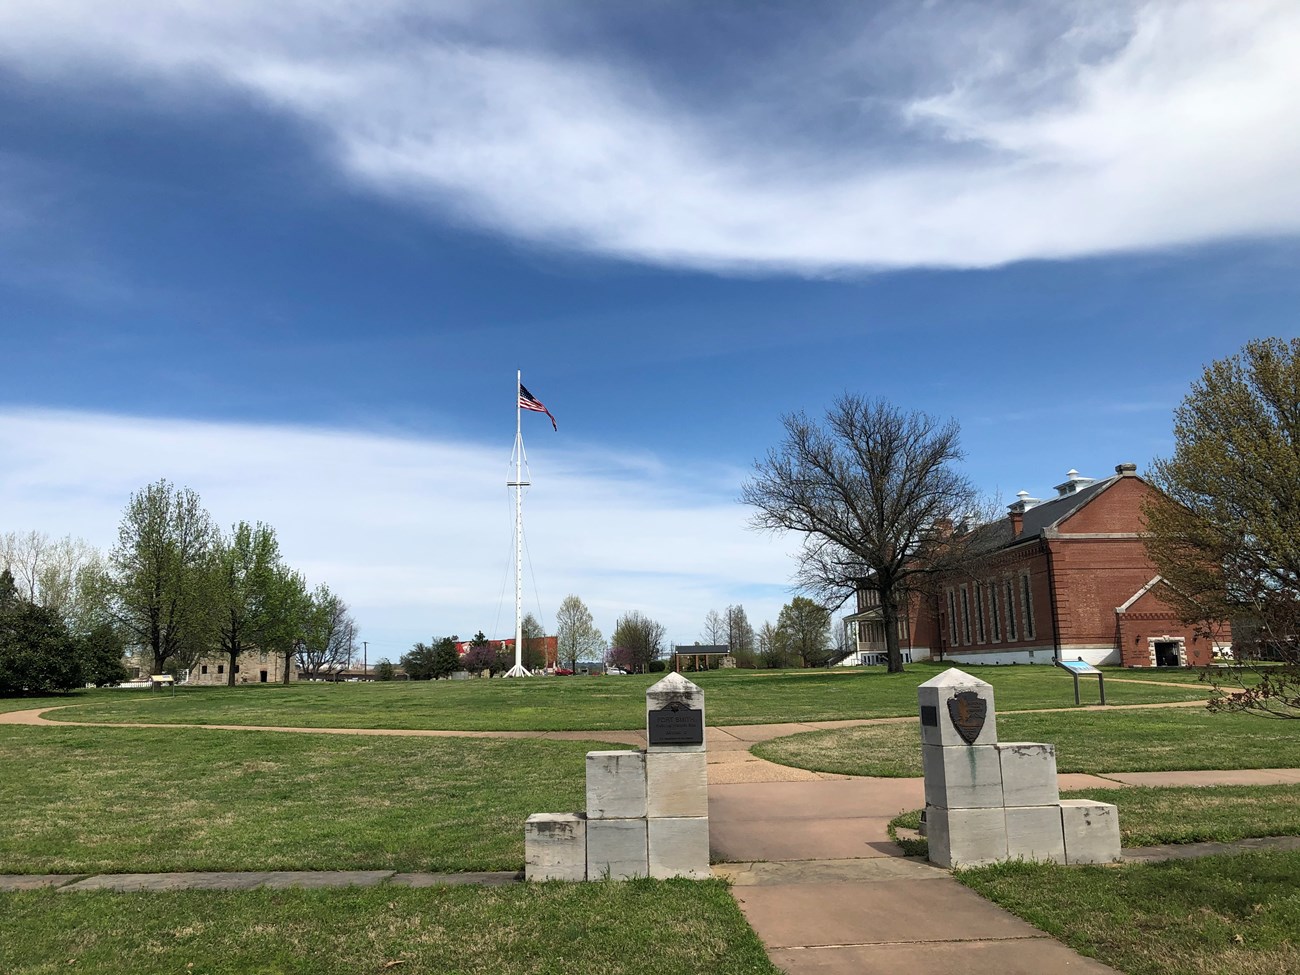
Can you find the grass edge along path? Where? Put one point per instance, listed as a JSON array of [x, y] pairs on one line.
[[1093, 741], [149, 800], [695, 928], [1227, 915], [583, 703]]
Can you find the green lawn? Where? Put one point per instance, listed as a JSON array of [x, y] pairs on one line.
[[634, 928], [1234, 915], [139, 799], [1086, 741], [587, 703], [1179, 814]]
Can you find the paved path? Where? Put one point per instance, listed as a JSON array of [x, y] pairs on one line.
[[807, 853]]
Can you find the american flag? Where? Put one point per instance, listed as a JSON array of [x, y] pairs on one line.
[[527, 401]]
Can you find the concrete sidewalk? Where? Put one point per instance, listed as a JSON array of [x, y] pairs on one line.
[[815, 873]]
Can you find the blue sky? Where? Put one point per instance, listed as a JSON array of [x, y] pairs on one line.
[[291, 255]]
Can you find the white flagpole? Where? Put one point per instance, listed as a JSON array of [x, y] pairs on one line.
[[518, 670]]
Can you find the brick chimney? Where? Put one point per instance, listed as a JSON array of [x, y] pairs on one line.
[[1017, 512], [1126, 470]]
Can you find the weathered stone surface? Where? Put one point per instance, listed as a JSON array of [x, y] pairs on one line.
[[555, 846], [616, 785], [1028, 773], [677, 784], [617, 849], [674, 689], [966, 837], [962, 777], [1091, 831], [1034, 833], [679, 847], [937, 692]]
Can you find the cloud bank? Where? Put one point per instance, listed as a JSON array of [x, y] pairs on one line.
[[415, 534], [944, 134]]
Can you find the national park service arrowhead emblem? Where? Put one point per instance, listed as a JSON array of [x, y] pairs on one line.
[[968, 711]]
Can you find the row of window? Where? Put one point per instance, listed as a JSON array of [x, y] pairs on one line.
[[991, 611]]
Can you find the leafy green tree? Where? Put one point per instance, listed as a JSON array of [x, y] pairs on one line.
[[37, 654], [875, 495], [244, 569], [286, 617], [433, 660], [384, 670], [640, 638], [576, 633], [418, 662], [102, 651], [1225, 534], [446, 661], [805, 629], [162, 574]]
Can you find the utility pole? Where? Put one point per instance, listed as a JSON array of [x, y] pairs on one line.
[[365, 667]]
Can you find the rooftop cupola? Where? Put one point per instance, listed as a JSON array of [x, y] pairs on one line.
[[1074, 481], [1018, 509]]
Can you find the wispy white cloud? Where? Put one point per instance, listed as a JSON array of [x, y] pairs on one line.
[[1016, 132], [415, 534]]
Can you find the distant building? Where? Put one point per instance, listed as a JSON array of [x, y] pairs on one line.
[[549, 646], [252, 667], [1065, 578]]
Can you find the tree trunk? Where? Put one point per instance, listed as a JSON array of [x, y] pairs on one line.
[[288, 661], [889, 617]]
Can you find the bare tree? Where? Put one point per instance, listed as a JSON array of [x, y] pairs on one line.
[[641, 637], [874, 493], [715, 628], [740, 635], [48, 572], [329, 635], [576, 632]]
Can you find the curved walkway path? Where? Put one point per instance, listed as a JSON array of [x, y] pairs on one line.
[[807, 853]]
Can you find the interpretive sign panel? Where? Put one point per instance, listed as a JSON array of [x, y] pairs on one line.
[[1079, 667]]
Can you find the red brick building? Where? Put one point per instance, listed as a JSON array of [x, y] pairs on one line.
[[548, 645], [1064, 578]]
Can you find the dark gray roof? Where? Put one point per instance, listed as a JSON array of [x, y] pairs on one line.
[[1048, 514]]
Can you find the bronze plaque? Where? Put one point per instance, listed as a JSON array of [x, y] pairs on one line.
[[968, 711], [676, 724]]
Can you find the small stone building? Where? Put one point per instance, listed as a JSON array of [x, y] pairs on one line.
[[253, 667]]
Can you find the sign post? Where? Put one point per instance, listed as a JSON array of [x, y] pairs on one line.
[[1077, 669]]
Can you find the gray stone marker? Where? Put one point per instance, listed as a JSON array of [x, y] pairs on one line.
[[647, 811], [985, 801]]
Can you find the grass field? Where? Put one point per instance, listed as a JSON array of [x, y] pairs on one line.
[[139, 799], [587, 703], [1086, 741], [634, 928], [1215, 916]]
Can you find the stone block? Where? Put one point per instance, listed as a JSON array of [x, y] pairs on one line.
[[962, 777], [1034, 833], [966, 837], [617, 849], [1028, 773], [677, 784], [615, 785], [939, 721], [679, 847], [1091, 831], [555, 846], [685, 700]]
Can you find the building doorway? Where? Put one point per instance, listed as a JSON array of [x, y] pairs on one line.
[[263, 677], [1166, 652]]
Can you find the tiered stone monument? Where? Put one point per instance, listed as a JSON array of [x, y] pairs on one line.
[[647, 811], [987, 801]]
